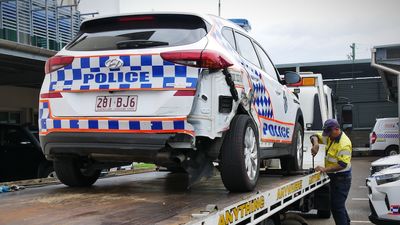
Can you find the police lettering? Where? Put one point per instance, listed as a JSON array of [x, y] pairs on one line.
[[276, 130], [111, 77]]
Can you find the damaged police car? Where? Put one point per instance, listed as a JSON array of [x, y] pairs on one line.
[[183, 91]]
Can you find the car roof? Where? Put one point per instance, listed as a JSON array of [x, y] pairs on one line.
[[204, 16], [207, 17]]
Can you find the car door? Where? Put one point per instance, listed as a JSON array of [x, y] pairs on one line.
[[268, 94], [20, 156]]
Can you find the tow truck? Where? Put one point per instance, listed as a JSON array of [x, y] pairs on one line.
[[163, 198], [317, 101]]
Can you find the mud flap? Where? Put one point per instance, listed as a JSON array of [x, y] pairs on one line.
[[199, 167]]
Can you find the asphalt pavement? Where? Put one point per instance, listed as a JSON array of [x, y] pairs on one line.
[[357, 201]]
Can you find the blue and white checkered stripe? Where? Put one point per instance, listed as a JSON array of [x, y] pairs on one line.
[[161, 74], [262, 100], [44, 114], [46, 124], [388, 135]]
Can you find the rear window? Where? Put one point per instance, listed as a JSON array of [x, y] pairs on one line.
[[139, 31]]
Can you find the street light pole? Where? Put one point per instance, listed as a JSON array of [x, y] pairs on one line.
[[219, 7]]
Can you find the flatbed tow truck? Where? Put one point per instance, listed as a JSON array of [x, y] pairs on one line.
[[163, 198]]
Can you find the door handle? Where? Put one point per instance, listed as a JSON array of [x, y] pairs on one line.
[[278, 92]]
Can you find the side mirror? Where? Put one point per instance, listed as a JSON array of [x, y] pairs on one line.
[[347, 117], [292, 77]]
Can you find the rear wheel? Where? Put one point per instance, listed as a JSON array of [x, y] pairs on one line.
[[240, 157], [70, 171], [392, 150], [46, 170], [294, 161]]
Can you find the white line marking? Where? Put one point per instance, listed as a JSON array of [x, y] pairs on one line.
[[360, 221], [359, 199]]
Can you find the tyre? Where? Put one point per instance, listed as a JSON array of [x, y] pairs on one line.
[[294, 162], [324, 214], [392, 150], [71, 172], [176, 169], [240, 156], [46, 170]]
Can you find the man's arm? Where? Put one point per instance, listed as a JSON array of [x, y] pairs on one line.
[[329, 169]]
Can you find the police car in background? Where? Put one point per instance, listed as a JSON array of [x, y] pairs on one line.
[[179, 90], [385, 136]]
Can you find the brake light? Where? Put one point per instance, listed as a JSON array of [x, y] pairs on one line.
[[51, 95], [197, 58], [135, 18], [373, 137], [57, 62], [185, 93]]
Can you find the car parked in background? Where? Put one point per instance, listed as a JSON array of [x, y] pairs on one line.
[[384, 196], [384, 163], [384, 137], [21, 156]]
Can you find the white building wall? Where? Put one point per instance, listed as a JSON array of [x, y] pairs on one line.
[[103, 7]]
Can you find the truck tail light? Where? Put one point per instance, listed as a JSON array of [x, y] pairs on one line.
[[197, 58], [57, 62], [373, 137], [51, 95], [305, 81]]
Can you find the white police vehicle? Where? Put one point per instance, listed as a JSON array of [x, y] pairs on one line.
[[384, 196], [179, 90]]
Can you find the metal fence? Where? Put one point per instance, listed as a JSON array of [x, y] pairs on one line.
[[41, 23]]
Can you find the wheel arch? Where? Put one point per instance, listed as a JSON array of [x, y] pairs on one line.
[[300, 118], [392, 146]]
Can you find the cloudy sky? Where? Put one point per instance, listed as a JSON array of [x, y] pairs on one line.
[[290, 30]]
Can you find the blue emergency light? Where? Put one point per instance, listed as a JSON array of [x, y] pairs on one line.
[[243, 23]]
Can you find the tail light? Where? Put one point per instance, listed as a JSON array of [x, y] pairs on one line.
[[51, 95], [198, 58], [185, 93], [57, 62], [373, 137]]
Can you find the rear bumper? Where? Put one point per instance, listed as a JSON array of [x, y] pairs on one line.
[[140, 147]]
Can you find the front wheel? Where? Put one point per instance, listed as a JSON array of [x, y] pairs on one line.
[[240, 156], [294, 162], [392, 150], [71, 172]]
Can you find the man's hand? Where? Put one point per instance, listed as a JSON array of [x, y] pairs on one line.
[[320, 169], [315, 145], [314, 149]]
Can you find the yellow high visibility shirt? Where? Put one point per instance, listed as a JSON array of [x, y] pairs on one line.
[[338, 151]]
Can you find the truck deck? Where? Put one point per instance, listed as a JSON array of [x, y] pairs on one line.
[[155, 198]]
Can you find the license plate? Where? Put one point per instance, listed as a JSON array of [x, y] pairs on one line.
[[116, 103]]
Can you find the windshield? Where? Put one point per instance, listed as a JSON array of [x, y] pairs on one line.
[[133, 32]]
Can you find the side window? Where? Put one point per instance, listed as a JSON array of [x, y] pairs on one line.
[[268, 66], [246, 49], [15, 136], [228, 35]]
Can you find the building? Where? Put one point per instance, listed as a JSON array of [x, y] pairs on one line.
[[31, 31]]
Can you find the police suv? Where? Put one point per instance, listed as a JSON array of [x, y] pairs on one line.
[[184, 91]]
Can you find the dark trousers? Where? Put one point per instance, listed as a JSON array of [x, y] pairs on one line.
[[340, 187]]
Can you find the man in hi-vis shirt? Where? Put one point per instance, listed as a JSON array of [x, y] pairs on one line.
[[337, 166]]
